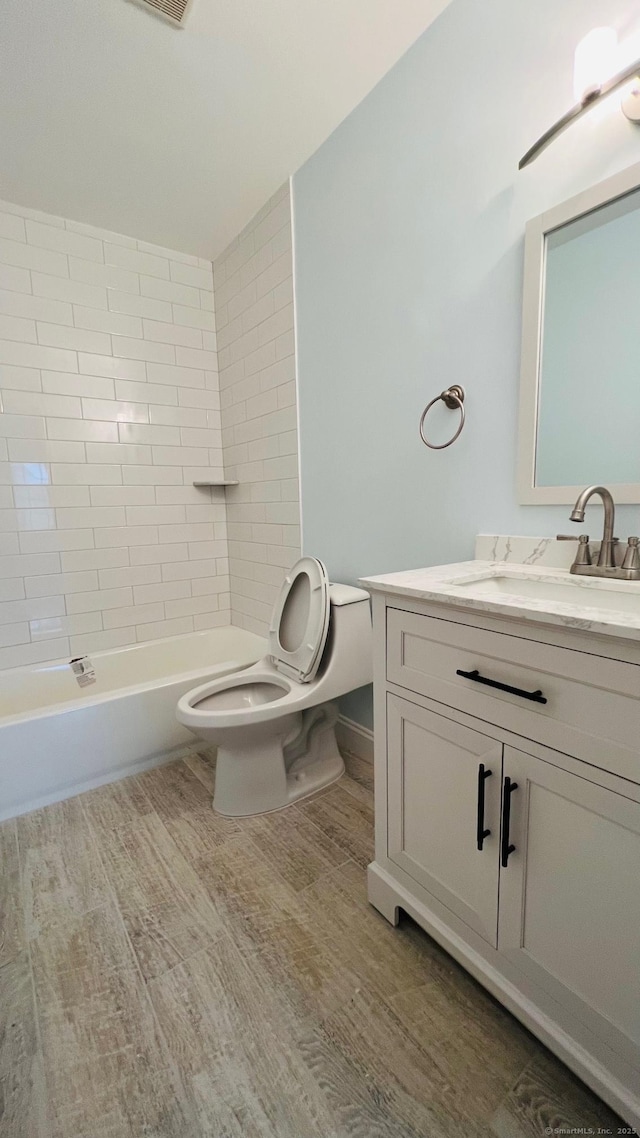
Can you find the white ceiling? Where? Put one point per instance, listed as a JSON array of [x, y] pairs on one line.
[[110, 115]]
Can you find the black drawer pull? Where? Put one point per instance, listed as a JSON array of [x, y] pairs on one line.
[[481, 833], [534, 696], [506, 848]]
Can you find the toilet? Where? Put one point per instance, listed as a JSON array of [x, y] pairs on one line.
[[274, 723]]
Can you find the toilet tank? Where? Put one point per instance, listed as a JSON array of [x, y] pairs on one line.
[[348, 660]]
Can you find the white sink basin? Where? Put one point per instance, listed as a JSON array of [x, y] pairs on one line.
[[616, 596]]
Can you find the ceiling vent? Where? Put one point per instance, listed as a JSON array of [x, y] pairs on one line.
[[173, 10]]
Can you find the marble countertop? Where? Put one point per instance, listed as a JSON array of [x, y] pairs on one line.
[[441, 583]]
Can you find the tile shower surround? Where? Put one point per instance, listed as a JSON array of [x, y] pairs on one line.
[[110, 408], [253, 286]]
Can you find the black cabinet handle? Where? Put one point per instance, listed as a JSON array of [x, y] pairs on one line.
[[534, 696], [506, 849], [481, 833]]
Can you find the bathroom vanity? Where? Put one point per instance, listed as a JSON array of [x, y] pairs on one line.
[[507, 752]]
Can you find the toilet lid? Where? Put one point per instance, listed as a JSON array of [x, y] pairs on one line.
[[300, 621]]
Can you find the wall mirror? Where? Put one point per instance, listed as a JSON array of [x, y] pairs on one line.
[[580, 376]]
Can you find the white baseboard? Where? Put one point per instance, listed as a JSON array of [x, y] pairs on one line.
[[355, 738]]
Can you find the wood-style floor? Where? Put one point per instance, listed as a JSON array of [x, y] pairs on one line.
[[167, 972]]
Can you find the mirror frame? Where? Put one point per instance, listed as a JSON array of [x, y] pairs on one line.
[[532, 314]]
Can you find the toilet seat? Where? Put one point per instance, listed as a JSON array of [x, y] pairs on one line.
[[221, 701], [300, 621]]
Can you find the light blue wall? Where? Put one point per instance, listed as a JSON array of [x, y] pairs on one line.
[[409, 229]]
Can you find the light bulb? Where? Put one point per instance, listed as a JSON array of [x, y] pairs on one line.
[[595, 62], [631, 101]]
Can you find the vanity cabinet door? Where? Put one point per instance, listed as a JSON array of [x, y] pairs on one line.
[[570, 896], [444, 802]]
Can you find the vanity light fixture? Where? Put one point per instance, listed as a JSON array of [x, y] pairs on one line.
[[593, 81], [594, 62]]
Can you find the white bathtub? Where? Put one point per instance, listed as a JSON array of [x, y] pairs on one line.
[[57, 739]]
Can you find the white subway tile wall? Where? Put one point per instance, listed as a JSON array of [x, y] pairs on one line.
[[109, 404], [253, 293]]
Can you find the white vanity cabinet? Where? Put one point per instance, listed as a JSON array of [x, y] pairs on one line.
[[508, 819]]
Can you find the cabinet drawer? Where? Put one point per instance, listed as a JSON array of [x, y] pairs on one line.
[[592, 707]]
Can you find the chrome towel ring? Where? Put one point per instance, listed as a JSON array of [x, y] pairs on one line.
[[453, 398]]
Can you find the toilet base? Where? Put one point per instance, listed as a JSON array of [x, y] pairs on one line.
[[269, 774]]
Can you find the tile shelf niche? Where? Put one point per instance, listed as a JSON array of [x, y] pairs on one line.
[[216, 482]]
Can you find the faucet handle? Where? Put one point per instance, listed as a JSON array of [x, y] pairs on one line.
[[632, 554], [583, 554]]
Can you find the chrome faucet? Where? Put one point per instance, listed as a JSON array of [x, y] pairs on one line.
[[606, 563]]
